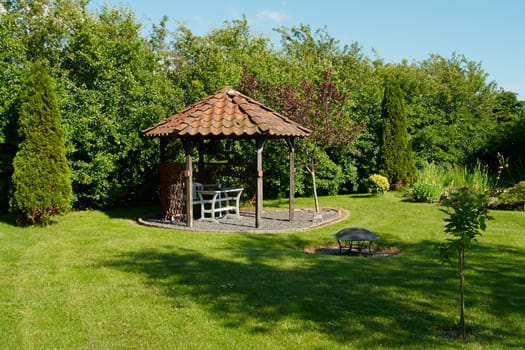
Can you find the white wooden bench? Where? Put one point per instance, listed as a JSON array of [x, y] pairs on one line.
[[218, 202]]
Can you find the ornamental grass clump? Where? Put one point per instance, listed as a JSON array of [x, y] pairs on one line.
[[475, 177], [378, 184]]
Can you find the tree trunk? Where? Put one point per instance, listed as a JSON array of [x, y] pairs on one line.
[[461, 255], [314, 187]]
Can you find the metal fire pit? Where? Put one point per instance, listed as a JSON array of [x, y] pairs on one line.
[[356, 240]]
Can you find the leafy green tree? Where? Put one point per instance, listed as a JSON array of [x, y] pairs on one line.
[[111, 83], [397, 162], [361, 81], [310, 54], [115, 86], [41, 184], [202, 65], [507, 107], [317, 106], [508, 138], [306, 55], [11, 58], [42, 27], [468, 213], [449, 108]]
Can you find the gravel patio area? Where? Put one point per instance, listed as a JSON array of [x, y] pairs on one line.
[[273, 221]]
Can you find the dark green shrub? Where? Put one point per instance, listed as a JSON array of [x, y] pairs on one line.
[[396, 157], [513, 198], [41, 184]]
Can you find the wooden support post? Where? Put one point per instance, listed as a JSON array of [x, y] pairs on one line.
[[188, 173], [200, 164], [291, 203], [260, 142], [165, 185], [163, 149]]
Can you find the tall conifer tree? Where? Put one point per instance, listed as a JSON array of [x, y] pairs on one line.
[[396, 157], [41, 183]]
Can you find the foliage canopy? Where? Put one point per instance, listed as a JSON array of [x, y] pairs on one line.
[[112, 81]]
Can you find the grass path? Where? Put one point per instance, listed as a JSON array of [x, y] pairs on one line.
[[96, 281]]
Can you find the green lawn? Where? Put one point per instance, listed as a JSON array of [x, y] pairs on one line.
[[95, 280]]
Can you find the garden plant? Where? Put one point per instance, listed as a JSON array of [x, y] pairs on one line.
[[378, 184], [468, 212]]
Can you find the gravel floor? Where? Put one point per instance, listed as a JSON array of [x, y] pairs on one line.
[[273, 221]]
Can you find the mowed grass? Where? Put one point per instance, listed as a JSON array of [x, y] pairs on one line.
[[96, 280]]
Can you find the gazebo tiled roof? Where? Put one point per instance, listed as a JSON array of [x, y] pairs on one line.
[[224, 114]]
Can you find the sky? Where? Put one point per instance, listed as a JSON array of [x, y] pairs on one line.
[[489, 32]]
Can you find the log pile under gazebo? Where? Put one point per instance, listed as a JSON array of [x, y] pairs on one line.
[[229, 114]]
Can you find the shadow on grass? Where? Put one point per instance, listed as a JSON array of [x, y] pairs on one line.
[[8, 218], [499, 269], [256, 285], [132, 212], [12, 220], [362, 196]]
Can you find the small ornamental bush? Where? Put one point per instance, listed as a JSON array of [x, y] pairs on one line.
[[426, 192], [378, 184]]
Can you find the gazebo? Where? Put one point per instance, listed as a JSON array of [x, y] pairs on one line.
[[229, 114]]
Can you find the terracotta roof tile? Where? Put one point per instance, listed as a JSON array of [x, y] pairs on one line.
[[226, 113]]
